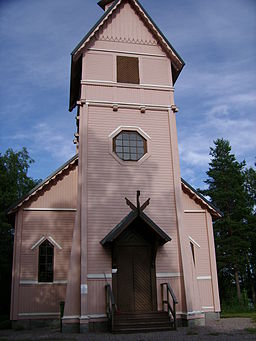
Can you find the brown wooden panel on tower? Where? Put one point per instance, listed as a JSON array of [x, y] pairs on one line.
[[142, 280], [125, 294], [128, 70]]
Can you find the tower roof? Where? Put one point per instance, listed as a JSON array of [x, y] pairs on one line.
[[177, 61]]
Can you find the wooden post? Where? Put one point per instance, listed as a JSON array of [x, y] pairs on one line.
[[162, 295]]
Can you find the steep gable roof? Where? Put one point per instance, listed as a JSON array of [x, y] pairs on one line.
[[200, 199], [177, 62], [42, 184]]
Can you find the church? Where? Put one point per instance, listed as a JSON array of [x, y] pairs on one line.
[[116, 233]]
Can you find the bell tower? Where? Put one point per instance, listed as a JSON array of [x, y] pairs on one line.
[[122, 82]]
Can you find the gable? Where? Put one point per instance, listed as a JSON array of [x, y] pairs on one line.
[[115, 25], [59, 190], [192, 199], [127, 27]]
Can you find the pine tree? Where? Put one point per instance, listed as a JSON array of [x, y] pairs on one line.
[[250, 187], [226, 190]]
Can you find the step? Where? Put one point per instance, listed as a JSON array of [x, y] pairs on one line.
[[140, 329], [141, 321]]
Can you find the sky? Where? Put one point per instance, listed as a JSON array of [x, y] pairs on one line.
[[215, 92]]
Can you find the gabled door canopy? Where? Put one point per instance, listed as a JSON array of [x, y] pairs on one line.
[[136, 213]]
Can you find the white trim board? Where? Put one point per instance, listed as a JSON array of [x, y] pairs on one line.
[[38, 314], [95, 82], [28, 282], [43, 238], [128, 105], [194, 242], [99, 276], [127, 52], [167, 274], [204, 277], [49, 209]]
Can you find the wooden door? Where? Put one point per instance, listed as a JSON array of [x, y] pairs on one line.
[[134, 278]]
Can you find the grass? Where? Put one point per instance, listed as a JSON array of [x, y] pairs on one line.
[[251, 330], [245, 314]]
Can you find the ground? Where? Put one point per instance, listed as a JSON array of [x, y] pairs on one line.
[[223, 329]]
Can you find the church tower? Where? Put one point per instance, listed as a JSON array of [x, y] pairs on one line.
[[122, 81]]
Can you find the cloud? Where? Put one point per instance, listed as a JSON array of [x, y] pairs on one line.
[[47, 139]]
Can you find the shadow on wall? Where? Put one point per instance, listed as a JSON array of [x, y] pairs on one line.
[[108, 183]]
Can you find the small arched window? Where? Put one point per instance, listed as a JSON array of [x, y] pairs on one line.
[[129, 145], [45, 262]]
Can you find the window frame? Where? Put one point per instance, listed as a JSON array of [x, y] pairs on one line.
[[129, 146], [45, 264], [121, 79], [114, 133]]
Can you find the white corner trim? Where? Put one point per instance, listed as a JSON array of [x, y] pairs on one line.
[[38, 314], [204, 277], [167, 274], [194, 211], [194, 242], [49, 209], [99, 276], [54, 242], [38, 242]]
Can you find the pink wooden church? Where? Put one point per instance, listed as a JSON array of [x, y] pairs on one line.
[[115, 232]]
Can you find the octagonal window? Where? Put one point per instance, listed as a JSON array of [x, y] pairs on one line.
[[129, 145]]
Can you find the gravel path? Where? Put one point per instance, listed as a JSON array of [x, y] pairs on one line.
[[224, 329]]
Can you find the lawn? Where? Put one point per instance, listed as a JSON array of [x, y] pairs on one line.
[[246, 314]]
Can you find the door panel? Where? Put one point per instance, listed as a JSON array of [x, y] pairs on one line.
[[134, 282], [125, 296], [142, 279]]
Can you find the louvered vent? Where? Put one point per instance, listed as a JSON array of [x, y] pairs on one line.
[[128, 70]]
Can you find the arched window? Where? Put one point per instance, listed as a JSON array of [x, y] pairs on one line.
[[129, 145], [45, 262]]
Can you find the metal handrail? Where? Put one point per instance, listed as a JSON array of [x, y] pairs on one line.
[[170, 308], [110, 305]]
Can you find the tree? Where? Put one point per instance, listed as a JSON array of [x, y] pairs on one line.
[[14, 183], [232, 234], [250, 187]]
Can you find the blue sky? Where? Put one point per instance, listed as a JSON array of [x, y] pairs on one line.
[[215, 93]]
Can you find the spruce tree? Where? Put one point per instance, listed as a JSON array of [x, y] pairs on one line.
[[226, 191]]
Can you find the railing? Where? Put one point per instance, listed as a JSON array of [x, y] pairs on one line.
[[110, 305], [166, 301]]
